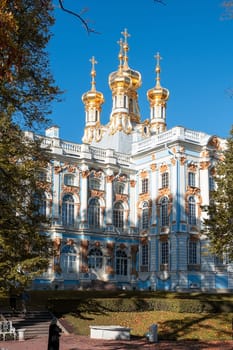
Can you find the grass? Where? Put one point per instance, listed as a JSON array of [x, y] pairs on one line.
[[171, 325]]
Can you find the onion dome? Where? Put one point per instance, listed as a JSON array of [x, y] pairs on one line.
[[93, 97], [124, 77], [158, 93]]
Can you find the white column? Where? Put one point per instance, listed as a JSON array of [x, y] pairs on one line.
[[109, 180], [204, 185], [56, 192], [84, 188], [132, 197], [154, 191]]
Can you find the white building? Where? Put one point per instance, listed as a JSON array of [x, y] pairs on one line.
[[127, 204]]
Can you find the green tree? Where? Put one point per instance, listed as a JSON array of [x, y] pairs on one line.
[[26, 91], [219, 225], [24, 250]]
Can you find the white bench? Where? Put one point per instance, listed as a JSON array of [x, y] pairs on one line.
[[110, 332], [7, 330]]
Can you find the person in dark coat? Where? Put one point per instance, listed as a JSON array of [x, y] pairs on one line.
[[54, 334]]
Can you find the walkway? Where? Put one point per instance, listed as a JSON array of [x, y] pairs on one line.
[[74, 342]]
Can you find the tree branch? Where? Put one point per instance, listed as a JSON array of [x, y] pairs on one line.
[[80, 18]]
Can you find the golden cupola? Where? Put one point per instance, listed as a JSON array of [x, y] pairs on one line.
[[158, 97], [124, 84], [93, 101]]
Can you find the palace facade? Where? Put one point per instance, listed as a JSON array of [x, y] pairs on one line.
[[127, 204]]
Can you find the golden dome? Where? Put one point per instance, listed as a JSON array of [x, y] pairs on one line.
[[124, 77], [158, 93], [93, 97]]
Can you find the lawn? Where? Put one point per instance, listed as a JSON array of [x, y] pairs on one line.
[[171, 325]]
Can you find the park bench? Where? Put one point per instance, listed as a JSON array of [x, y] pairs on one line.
[[7, 330]]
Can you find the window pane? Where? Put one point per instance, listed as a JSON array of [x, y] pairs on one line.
[[118, 215], [192, 252], [68, 210], [191, 179], [94, 213], [164, 212], [164, 253], [192, 211], [121, 263], [165, 180]]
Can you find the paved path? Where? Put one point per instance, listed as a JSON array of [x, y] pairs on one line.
[[74, 342]]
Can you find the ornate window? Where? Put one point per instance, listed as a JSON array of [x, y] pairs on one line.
[[121, 263], [192, 220], [118, 215], [69, 259], [164, 180], [95, 258], [68, 210], [94, 213], [164, 217], [145, 215]]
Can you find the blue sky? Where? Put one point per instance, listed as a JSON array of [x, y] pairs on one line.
[[197, 65]]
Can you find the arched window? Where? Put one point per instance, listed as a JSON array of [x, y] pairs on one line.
[[192, 220], [68, 210], [121, 263], [95, 258], [145, 215], [164, 212], [118, 215], [69, 259], [94, 213]]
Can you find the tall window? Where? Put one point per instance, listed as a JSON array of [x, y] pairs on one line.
[[41, 203], [211, 183], [191, 179], [192, 220], [69, 180], [164, 253], [164, 180], [118, 215], [95, 258], [145, 254], [145, 185], [192, 252], [164, 212], [120, 187], [145, 215], [94, 213], [68, 210], [69, 259], [121, 263]]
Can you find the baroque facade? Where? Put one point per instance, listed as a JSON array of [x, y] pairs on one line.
[[127, 204]]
